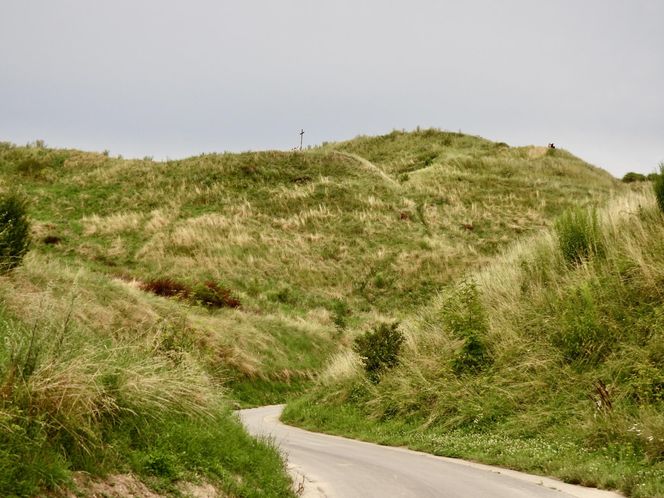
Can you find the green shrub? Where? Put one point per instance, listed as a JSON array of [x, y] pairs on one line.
[[464, 317], [14, 232], [30, 166], [632, 177], [579, 234], [379, 349], [340, 313], [658, 187]]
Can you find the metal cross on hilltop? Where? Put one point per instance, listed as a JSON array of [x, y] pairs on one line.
[[301, 137]]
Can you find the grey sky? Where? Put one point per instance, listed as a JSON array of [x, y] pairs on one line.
[[172, 79]]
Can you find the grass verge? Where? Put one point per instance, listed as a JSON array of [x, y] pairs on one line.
[[556, 453]]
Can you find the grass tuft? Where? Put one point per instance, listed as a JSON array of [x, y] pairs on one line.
[[579, 235], [658, 187]]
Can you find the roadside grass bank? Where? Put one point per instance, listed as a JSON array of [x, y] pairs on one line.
[[556, 454], [549, 360], [102, 409], [95, 379]]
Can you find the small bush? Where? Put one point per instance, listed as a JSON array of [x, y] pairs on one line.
[[632, 177], [166, 287], [464, 317], [212, 295], [379, 349], [14, 232], [579, 235], [340, 313], [658, 187], [162, 464], [30, 166]]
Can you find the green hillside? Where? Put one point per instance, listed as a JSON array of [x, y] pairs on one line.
[[160, 294], [550, 359]]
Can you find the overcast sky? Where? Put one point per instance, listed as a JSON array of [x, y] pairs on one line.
[[177, 78]]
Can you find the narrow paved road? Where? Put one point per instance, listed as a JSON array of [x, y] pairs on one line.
[[330, 466]]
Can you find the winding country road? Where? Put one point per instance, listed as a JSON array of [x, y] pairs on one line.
[[331, 466]]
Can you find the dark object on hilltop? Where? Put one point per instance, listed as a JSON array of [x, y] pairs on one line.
[[379, 349], [552, 145], [14, 232]]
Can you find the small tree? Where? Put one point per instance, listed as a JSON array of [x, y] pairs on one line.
[[379, 349], [465, 317], [14, 232], [658, 187]]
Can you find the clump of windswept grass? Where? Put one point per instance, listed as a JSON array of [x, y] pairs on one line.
[[14, 231], [578, 234], [658, 187], [68, 392]]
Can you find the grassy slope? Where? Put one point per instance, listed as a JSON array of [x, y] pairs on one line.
[[572, 382], [315, 245]]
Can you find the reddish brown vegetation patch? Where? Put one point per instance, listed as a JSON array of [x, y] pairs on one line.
[[166, 287], [209, 294], [212, 295], [51, 240]]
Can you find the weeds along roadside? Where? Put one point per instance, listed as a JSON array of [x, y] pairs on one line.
[[569, 380], [101, 397]]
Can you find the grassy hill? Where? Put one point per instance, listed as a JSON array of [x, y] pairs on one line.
[[157, 294], [550, 359]]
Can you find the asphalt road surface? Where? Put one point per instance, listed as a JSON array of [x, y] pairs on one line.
[[336, 467]]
